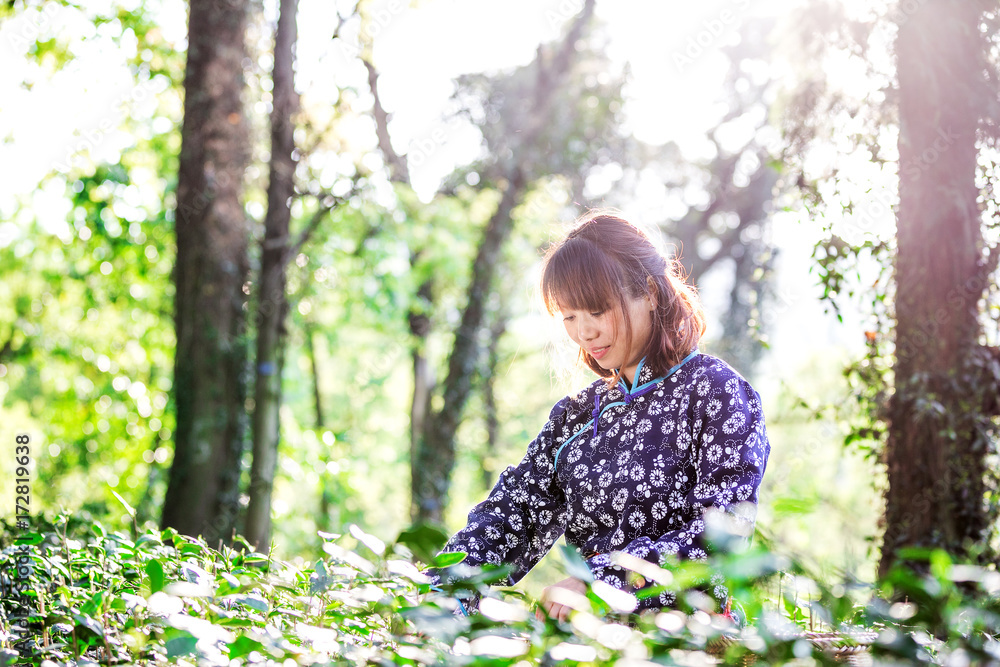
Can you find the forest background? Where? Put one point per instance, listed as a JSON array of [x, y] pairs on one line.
[[382, 309]]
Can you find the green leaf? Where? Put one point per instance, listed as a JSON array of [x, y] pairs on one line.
[[941, 564], [154, 569], [319, 581], [180, 643], [447, 559], [374, 544], [29, 538], [89, 623], [230, 584], [128, 508], [95, 603], [423, 540], [790, 506], [192, 548], [147, 539], [257, 603], [243, 646], [576, 566]]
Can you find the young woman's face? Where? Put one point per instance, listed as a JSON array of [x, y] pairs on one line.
[[602, 335]]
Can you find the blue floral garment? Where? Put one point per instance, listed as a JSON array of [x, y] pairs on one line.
[[631, 470]]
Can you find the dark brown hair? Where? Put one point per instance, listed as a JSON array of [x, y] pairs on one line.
[[606, 260]]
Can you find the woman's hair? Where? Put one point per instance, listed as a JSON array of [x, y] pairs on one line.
[[605, 261]]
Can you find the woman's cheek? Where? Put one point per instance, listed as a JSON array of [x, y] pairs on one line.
[[571, 332]]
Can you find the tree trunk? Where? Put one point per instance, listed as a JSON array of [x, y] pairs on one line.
[[752, 259], [492, 416], [435, 455], [423, 373], [935, 456], [272, 299], [417, 318], [212, 235], [432, 434], [325, 495]]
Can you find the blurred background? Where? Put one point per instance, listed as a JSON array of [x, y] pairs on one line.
[[436, 148]]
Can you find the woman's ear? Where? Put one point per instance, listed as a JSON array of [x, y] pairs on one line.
[[651, 292]]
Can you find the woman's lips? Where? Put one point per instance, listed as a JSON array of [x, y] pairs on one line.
[[600, 352]]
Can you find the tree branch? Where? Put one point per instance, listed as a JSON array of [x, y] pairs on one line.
[[342, 19], [328, 202], [550, 76], [399, 171]]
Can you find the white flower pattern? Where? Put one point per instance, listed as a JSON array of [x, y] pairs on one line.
[[641, 486]]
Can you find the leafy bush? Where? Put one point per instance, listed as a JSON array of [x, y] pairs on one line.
[[160, 597]]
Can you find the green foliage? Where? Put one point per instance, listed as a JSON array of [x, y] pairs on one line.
[[85, 303], [589, 104], [99, 597]]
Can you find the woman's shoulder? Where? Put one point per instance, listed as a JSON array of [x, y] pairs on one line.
[[708, 372], [580, 403], [713, 376], [712, 368], [567, 416]]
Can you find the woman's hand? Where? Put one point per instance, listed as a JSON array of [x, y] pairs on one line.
[[559, 610]]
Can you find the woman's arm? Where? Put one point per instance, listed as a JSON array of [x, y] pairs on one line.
[[524, 514]]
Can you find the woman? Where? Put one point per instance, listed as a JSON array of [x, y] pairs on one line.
[[632, 462]]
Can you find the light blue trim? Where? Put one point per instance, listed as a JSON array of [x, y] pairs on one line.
[[437, 589], [638, 372], [585, 427], [654, 381], [638, 369], [694, 353], [609, 405], [569, 440], [625, 391]]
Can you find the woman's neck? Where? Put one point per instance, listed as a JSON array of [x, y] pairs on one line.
[[629, 372]]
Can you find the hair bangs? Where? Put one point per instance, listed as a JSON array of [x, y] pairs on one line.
[[578, 276]]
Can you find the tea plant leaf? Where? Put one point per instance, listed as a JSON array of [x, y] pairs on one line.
[[31, 539], [180, 643], [154, 570], [254, 602], [128, 508], [376, 545], [243, 646], [89, 624], [576, 566], [448, 559], [424, 541]]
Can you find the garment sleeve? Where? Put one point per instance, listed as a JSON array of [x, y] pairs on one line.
[[524, 514], [730, 454]]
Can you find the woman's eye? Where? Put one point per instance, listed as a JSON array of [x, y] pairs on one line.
[[597, 313], [568, 318]]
